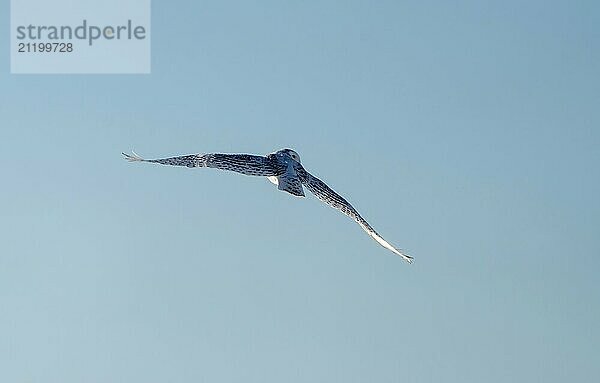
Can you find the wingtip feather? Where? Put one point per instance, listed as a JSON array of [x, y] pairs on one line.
[[133, 157], [406, 257]]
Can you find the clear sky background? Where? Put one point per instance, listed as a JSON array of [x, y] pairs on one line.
[[465, 133]]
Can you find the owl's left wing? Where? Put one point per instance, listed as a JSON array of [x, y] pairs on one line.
[[331, 198], [247, 164]]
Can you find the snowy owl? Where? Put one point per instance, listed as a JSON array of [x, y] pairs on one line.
[[283, 168]]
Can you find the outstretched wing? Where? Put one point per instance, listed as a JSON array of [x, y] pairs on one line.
[[241, 163], [330, 197]]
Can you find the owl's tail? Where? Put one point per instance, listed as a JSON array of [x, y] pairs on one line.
[[133, 157]]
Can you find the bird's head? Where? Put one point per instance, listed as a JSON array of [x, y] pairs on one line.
[[289, 153]]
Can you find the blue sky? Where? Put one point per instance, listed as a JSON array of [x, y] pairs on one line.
[[466, 134]]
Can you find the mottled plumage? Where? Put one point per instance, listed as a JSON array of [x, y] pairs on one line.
[[284, 169]]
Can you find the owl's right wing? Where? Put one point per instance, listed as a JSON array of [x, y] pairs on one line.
[[240, 163], [336, 201]]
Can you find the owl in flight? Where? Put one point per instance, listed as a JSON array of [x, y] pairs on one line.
[[283, 168]]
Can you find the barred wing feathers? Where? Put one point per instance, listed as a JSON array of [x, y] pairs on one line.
[[331, 198], [247, 164]]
